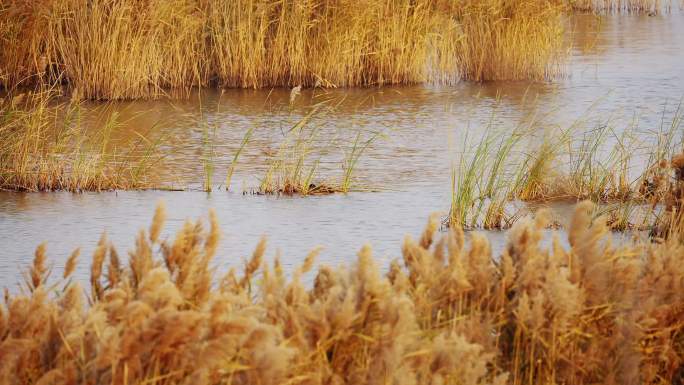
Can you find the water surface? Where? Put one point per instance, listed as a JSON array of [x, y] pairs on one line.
[[629, 67]]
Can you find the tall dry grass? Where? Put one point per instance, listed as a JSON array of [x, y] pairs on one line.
[[446, 313], [110, 49], [326, 43], [45, 146], [508, 40], [124, 49]]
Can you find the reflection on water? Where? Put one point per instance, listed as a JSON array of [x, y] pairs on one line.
[[622, 66]]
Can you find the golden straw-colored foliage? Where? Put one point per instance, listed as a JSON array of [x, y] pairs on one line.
[[124, 49], [45, 145], [448, 313], [508, 40]]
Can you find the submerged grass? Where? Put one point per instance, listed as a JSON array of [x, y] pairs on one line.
[[447, 312], [44, 145]]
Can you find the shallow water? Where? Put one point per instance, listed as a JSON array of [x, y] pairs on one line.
[[630, 67]]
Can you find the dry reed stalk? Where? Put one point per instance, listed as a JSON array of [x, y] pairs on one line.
[[157, 222]]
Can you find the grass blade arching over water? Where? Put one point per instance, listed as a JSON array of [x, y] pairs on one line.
[[233, 163]]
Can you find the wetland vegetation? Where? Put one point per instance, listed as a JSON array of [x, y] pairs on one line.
[[596, 296], [447, 312], [633, 179], [46, 146], [180, 44]]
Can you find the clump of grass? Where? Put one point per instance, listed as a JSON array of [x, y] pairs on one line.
[[564, 167], [352, 158], [295, 168], [538, 169], [464, 185], [568, 164], [596, 178], [482, 184], [291, 170], [447, 312], [45, 146]]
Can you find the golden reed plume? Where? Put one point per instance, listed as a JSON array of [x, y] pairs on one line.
[[449, 312]]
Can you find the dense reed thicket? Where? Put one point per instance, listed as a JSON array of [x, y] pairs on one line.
[[508, 39], [123, 49], [447, 313]]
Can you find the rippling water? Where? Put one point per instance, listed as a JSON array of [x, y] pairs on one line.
[[624, 67]]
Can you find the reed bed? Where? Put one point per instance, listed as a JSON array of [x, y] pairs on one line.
[[447, 312], [127, 49], [44, 146], [508, 40]]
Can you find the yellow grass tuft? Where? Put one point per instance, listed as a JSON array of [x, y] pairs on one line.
[[44, 146]]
